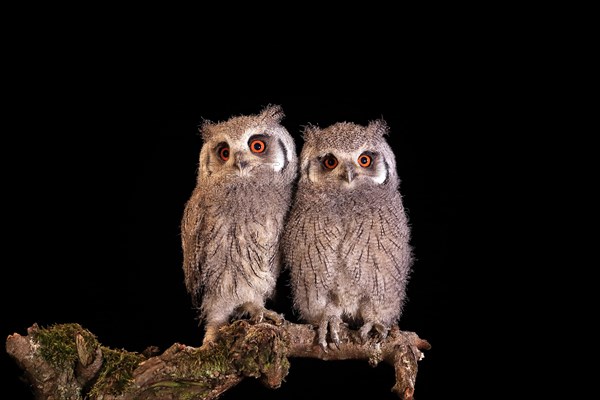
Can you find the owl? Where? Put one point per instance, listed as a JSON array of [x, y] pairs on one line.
[[347, 240], [233, 221]]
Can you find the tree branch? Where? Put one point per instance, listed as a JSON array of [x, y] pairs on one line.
[[67, 361]]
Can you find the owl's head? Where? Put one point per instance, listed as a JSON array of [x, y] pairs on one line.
[[348, 155], [248, 146]]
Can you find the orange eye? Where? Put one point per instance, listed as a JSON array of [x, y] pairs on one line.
[[365, 160], [330, 162], [257, 146], [224, 153]]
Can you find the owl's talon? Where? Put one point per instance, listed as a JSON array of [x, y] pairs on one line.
[[335, 345], [257, 314], [322, 334], [257, 318], [324, 347], [363, 332], [381, 331], [274, 317], [329, 324], [210, 334], [334, 327]]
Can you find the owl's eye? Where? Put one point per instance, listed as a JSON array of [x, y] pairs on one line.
[[365, 160], [257, 146], [224, 153], [330, 162]]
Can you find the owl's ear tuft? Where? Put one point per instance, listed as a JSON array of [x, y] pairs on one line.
[[378, 128], [205, 129], [309, 131], [272, 112]]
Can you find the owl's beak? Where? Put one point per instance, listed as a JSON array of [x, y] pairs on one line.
[[239, 161], [348, 174]]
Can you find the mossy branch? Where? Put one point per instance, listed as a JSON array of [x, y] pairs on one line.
[[66, 361]]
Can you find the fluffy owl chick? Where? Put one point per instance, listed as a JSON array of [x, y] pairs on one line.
[[347, 241], [233, 222]]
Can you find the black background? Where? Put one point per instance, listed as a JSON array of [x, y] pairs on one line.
[[97, 189]]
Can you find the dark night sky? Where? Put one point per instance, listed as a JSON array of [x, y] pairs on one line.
[[98, 192]]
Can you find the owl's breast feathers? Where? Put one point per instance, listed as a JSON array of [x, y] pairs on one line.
[[232, 241], [362, 240], [376, 252]]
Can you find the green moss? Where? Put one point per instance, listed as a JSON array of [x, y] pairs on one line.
[[202, 364], [242, 350], [58, 346], [194, 373], [116, 372], [259, 352]]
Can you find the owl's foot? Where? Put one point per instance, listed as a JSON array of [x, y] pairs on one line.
[[275, 318], [210, 335], [329, 323], [381, 331], [257, 313]]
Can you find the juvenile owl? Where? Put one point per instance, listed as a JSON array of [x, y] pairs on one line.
[[233, 222], [347, 242]]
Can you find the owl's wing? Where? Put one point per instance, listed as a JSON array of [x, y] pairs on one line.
[[310, 249], [192, 249], [376, 248]]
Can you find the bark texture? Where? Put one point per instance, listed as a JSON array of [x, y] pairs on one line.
[[66, 361]]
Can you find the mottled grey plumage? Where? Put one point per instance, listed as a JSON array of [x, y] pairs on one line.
[[347, 241], [233, 221]]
